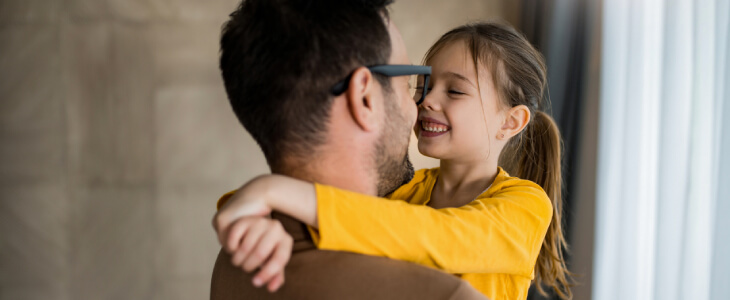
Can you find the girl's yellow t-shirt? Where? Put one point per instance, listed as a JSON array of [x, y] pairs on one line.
[[492, 242]]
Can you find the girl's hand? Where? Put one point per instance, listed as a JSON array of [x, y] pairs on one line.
[[260, 242], [250, 200], [255, 241], [261, 195]]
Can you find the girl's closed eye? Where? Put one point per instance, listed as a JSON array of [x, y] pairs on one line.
[[450, 91]]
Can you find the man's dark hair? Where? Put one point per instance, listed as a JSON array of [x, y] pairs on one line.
[[280, 59]]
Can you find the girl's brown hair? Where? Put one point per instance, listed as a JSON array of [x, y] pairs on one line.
[[520, 76]]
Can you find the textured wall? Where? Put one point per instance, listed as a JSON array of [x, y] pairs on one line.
[[116, 139]]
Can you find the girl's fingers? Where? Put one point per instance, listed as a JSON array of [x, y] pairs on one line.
[[238, 258], [276, 283], [252, 238], [236, 233], [256, 228], [265, 247], [277, 260], [221, 228]]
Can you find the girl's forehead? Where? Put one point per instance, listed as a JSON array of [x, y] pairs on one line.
[[456, 58]]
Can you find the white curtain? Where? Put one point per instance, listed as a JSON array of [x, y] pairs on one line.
[[662, 211]]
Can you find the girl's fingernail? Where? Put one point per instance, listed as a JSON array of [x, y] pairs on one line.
[[257, 282]]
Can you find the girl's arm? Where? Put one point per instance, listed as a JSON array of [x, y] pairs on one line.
[[502, 234], [265, 193]]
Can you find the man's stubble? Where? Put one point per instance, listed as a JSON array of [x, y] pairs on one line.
[[391, 151]]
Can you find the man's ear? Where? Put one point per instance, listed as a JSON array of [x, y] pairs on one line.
[[516, 119], [360, 100]]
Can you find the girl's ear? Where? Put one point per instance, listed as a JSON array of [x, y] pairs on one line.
[[516, 119]]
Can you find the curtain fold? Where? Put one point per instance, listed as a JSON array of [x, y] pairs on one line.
[[719, 287]]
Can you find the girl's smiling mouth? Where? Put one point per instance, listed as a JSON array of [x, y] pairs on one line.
[[432, 127]]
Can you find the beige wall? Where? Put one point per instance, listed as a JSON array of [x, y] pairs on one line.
[[116, 139]]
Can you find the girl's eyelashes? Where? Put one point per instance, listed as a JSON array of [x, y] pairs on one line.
[[453, 92]]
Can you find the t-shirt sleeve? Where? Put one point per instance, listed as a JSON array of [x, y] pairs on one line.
[[223, 199], [500, 234]]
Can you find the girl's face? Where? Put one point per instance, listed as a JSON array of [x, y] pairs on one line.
[[459, 119]]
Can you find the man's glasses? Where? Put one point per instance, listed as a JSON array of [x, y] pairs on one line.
[[395, 70]]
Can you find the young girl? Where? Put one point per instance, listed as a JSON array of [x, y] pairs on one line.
[[468, 217]]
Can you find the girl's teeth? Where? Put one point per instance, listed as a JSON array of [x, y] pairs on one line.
[[433, 129]]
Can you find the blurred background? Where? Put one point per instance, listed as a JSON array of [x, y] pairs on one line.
[[116, 140]]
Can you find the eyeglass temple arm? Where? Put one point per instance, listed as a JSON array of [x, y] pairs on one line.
[[387, 70]]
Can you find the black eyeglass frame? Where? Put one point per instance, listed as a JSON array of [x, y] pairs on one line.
[[390, 71]]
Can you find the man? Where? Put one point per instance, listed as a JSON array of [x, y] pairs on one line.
[[296, 76]]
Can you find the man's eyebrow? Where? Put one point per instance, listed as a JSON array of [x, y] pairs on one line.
[[460, 77]]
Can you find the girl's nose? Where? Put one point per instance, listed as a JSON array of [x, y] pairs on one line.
[[429, 103]]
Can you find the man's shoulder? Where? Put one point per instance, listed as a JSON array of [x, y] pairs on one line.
[[321, 274]]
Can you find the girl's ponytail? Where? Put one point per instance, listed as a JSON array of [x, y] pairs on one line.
[[536, 157]]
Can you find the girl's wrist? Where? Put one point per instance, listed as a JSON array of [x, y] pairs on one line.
[[293, 197], [272, 191]]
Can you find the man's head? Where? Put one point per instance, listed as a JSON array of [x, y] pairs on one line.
[[280, 59]]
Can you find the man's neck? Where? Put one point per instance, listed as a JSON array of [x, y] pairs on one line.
[[344, 161], [340, 170]]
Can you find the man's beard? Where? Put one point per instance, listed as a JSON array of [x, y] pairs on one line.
[[394, 167]]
